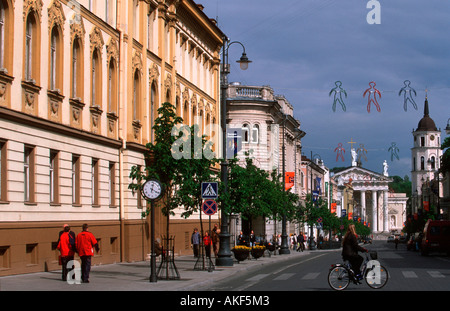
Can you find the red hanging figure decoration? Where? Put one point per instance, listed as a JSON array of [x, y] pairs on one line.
[[372, 98], [340, 150]]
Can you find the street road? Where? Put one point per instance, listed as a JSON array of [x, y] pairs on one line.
[[408, 271]]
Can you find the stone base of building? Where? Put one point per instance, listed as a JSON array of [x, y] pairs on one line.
[[31, 247]]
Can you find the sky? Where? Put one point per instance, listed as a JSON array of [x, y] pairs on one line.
[[301, 48]]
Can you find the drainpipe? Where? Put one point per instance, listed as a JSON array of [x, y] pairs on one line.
[[124, 143]]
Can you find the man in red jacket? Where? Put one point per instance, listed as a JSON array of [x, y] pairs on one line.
[[85, 244], [66, 245]]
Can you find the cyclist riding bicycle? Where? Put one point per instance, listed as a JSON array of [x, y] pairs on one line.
[[350, 250]]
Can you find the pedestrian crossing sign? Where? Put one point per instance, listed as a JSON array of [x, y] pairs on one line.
[[209, 190]]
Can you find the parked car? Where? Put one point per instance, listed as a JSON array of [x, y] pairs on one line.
[[390, 238], [436, 237]]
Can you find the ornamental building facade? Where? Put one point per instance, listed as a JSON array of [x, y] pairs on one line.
[[80, 85]]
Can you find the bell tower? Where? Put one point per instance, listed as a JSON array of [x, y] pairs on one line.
[[425, 155]]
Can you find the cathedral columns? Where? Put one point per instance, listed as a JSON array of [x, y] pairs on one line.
[[363, 203], [374, 211], [385, 211]]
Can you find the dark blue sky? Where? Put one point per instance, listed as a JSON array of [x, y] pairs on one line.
[[302, 47]]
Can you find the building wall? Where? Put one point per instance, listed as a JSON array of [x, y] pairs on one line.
[[81, 82]]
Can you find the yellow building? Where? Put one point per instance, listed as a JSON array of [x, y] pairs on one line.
[[80, 85]]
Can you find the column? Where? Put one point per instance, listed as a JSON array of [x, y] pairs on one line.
[[385, 211], [363, 205], [374, 211]]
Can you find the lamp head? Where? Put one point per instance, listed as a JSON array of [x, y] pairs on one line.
[[243, 61]]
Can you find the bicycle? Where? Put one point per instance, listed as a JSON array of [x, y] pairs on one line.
[[341, 274]]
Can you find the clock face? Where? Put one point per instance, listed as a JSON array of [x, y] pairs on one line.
[[152, 189]]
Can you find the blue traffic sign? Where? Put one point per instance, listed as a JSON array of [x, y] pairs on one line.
[[209, 190]]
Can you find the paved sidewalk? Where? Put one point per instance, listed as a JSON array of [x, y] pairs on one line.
[[135, 276]]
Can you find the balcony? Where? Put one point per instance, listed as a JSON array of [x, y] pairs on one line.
[[236, 90]]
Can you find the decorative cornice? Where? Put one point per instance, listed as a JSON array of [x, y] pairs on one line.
[[96, 39], [35, 5], [55, 15]]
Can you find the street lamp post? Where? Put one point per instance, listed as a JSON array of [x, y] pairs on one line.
[[224, 254], [284, 248]]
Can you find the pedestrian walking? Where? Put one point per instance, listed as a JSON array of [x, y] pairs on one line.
[[396, 241], [207, 242], [195, 241], [252, 239], [215, 240], [301, 241], [66, 246], [85, 244], [241, 239]]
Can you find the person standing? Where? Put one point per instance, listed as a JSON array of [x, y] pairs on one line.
[[66, 246], [207, 242], [195, 241], [85, 244]]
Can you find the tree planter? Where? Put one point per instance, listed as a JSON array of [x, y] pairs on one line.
[[257, 252], [241, 254]]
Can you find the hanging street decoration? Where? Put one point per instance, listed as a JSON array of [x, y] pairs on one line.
[[407, 95], [339, 152], [338, 91], [394, 151], [361, 151], [372, 98]]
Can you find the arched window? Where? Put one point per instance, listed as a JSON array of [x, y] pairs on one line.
[[29, 46], [96, 79], [245, 133], [112, 84], [77, 69], [2, 34], [422, 163], [153, 107], [55, 74], [255, 134], [6, 34], [433, 163], [136, 95]]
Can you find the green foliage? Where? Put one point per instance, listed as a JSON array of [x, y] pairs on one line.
[[162, 165], [194, 170], [253, 192], [401, 185], [311, 211], [445, 167]]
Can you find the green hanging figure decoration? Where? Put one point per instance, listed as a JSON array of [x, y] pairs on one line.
[[338, 91], [394, 151]]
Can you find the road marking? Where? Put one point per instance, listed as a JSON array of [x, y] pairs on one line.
[[298, 263], [436, 274], [311, 276], [283, 277], [257, 277], [409, 274]]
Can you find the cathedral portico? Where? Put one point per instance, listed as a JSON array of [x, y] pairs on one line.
[[371, 193]]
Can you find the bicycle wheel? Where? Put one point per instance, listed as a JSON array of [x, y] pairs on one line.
[[377, 277], [338, 278]]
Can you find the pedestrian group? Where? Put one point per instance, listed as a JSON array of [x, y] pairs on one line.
[[83, 244]]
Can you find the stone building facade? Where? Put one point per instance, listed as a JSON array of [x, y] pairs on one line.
[[80, 85]]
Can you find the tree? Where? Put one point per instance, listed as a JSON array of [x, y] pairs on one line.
[[159, 162], [196, 168], [253, 192], [445, 166]]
